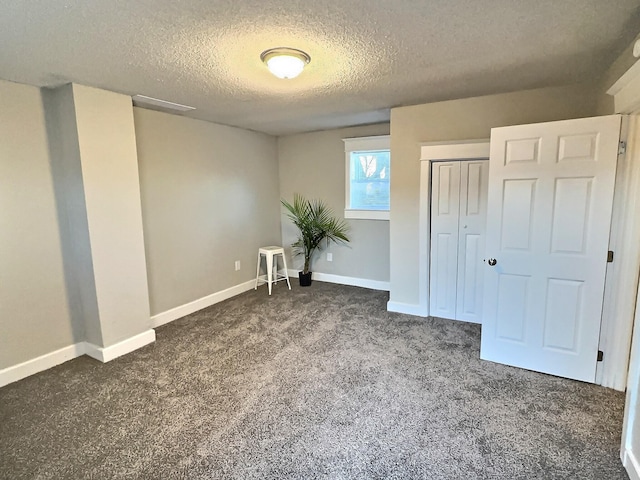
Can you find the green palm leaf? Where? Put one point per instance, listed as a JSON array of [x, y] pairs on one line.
[[316, 222]]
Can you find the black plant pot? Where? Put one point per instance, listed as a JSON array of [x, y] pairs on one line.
[[305, 279]]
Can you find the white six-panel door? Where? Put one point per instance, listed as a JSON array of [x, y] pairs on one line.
[[550, 199], [458, 217]]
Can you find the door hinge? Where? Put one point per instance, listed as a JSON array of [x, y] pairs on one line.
[[610, 256], [622, 147], [600, 355]]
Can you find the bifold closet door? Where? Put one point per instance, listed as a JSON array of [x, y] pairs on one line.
[[458, 217], [445, 217], [474, 183]]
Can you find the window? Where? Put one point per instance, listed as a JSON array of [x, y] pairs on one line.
[[368, 173]]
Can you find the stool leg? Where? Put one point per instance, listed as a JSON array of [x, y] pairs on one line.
[[276, 272], [286, 272], [269, 271], [257, 272]]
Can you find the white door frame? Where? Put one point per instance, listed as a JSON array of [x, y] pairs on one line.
[[632, 404], [430, 152], [621, 281], [621, 286], [626, 94]]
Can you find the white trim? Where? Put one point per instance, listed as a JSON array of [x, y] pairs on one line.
[[106, 354], [407, 308], [39, 364], [458, 150], [128, 345], [621, 281], [626, 90], [631, 465], [342, 280], [377, 142], [632, 404], [430, 152], [424, 235], [49, 360], [367, 214], [353, 281], [188, 308]]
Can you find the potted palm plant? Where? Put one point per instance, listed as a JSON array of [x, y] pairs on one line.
[[316, 223]]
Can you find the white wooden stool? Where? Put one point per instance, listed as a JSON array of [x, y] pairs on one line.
[[271, 254]]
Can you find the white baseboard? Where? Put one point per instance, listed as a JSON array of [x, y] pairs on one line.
[[408, 308], [43, 362], [106, 354], [631, 464], [49, 360], [204, 302], [342, 280]]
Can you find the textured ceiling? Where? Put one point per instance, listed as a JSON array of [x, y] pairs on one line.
[[366, 55]]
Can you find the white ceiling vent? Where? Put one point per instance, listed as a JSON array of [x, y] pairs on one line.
[[157, 104]]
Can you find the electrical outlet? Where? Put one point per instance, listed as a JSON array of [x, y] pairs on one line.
[[237, 265], [329, 257]]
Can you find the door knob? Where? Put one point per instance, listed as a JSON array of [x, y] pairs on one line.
[[492, 262]]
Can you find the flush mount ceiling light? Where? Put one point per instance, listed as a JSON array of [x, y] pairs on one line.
[[285, 62]]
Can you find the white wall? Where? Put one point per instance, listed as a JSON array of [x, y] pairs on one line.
[[313, 164], [464, 119], [35, 315], [209, 197]]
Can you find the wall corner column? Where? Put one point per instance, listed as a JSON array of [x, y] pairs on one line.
[[95, 166]]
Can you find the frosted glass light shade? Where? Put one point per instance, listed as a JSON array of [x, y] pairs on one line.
[[285, 62], [285, 66]]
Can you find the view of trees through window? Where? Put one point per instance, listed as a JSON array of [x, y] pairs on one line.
[[369, 187]]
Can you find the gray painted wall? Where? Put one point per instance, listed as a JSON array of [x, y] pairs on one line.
[[107, 145], [313, 164], [35, 316], [209, 197], [66, 166], [95, 168], [465, 119]]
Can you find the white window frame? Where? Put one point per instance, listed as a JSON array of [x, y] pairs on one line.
[[357, 144]]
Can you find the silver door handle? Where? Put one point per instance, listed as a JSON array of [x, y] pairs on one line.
[[492, 262]]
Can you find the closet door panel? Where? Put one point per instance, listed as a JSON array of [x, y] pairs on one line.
[[474, 181], [445, 213]]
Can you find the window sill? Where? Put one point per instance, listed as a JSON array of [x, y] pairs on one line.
[[367, 214]]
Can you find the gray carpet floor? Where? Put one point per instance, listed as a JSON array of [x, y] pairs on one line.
[[318, 382]]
